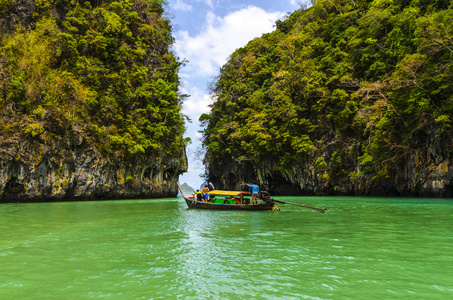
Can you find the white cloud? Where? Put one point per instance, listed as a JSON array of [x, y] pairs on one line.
[[197, 104], [210, 49], [181, 5], [210, 4]]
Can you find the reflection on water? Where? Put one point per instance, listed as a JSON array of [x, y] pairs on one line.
[[160, 249]]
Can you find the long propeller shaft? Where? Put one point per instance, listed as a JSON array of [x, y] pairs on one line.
[[321, 210]]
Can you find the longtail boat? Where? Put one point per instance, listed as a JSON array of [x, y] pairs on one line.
[[228, 200], [237, 200]]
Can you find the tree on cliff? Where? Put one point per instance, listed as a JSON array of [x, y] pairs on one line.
[[340, 98]]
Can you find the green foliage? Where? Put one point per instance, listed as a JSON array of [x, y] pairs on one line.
[[321, 162], [6, 4], [370, 77], [33, 129], [104, 69]]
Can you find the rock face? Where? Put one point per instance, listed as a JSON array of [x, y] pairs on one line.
[[426, 171], [420, 176], [68, 168]]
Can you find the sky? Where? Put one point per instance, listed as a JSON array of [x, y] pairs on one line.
[[206, 33]]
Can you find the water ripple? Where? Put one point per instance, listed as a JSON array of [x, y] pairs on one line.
[[361, 248]]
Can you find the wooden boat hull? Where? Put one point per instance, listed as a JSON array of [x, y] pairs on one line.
[[218, 206]]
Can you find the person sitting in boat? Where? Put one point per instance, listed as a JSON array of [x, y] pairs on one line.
[[211, 186], [197, 195], [255, 192], [205, 192]]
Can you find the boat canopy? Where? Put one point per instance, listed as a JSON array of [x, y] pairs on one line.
[[228, 193]]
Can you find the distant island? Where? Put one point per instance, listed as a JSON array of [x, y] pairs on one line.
[[186, 188]]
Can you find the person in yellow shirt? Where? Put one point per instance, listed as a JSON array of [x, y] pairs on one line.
[[197, 195]]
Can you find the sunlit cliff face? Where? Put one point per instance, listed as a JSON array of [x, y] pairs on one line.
[[45, 173]]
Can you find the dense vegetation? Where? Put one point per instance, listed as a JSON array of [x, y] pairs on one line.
[[98, 69], [346, 89]]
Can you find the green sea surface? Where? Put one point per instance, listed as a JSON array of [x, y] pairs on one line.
[[361, 248]]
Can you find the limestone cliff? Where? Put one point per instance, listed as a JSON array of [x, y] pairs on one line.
[[69, 168], [424, 172], [90, 106], [343, 98]]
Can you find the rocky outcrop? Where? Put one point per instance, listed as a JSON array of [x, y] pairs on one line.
[[413, 178], [332, 103], [426, 171], [69, 168], [72, 132]]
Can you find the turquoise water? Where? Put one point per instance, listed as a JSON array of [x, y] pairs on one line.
[[375, 248]]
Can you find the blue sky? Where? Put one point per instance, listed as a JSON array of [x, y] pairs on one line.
[[206, 33]]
